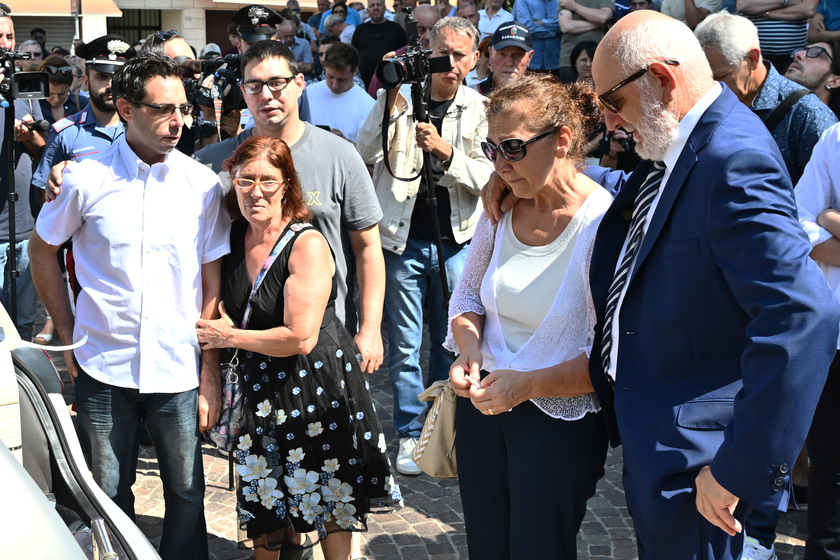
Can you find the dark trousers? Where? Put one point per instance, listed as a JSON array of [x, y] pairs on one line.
[[824, 474], [525, 478]]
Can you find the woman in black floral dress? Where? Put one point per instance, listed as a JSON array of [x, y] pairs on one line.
[[312, 454]]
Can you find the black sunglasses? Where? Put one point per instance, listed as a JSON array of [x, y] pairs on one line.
[[813, 52], [608, 103], [55, 70], [168, 109], [512, 149], [164, 36]]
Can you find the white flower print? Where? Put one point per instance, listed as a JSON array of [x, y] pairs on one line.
[[310, 506], [280, 416], [264, 409], [296, 455], [268, 492], [255, 467], [344, 515], [314, 429], [302, 482], [381, 444], [245, 442], [337, 491], [330, 465]]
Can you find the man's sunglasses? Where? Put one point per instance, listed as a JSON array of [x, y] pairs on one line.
[[813, 52], [512, 149], [609, 104], [167, 109]]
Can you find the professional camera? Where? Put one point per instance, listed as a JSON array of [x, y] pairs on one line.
[[414, 66], [225, 73], [22, 85]]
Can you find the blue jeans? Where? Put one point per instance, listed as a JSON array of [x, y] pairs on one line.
[[412, 281], [23, 286], [546, 54], [108, 418]]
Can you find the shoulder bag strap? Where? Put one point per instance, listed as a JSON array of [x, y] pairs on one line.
[[774, 118]]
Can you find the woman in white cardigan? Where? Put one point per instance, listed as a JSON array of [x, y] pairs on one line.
[[530, 441]]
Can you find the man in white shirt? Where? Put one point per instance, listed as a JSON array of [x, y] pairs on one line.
[[149, 233], [491, 17], [337, 102], [818, 202]]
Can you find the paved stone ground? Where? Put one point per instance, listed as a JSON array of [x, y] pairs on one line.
[[431, 524]]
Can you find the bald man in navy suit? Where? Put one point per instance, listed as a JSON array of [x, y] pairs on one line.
[[715, 330]]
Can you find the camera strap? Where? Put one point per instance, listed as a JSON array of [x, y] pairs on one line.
[[386, 122]]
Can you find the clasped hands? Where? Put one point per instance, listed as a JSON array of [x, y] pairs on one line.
[[498, 392]]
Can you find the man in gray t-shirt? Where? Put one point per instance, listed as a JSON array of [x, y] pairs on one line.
[[339, 192]]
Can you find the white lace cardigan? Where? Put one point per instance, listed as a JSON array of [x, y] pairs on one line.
[[567, 329]]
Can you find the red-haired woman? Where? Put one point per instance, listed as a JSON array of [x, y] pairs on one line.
[[312, 457]]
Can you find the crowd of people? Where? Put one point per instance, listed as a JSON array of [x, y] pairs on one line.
[[619, 223]]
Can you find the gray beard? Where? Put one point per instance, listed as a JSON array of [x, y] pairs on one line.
[[658, 129]]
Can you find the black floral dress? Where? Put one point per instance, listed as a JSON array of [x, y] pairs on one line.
[[312, 449]]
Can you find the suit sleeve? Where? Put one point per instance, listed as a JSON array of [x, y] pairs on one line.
[[792, 323]]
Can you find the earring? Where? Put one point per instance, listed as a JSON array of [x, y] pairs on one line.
[[827, 86]]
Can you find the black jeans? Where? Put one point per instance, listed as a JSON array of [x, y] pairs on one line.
[[824, 474]]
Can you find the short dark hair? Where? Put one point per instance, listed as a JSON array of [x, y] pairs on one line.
[[276, 153], [263, 50], [130, 80], [342, 57], [37, 30], [329, 40]]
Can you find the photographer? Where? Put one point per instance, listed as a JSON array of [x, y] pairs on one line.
[[458, 126], [28, 146]]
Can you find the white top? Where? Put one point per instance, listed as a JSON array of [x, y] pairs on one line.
[[672, 154], [346, 111], [569, 323], [819, 189], [140, 235], [347, 35], [526, 279], [489, 25]]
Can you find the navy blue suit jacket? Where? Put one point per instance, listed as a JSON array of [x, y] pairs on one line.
[[726, 333]]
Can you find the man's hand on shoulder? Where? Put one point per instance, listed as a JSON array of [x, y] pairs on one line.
[[497, 198], [716, 503], [53, 188]]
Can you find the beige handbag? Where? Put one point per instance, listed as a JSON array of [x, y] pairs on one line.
[[435, 451]]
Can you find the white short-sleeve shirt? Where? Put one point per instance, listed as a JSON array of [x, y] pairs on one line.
[[140, 235]]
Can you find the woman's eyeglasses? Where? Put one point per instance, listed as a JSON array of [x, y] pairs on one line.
[[512, 149], [813, 52], [265, 186]]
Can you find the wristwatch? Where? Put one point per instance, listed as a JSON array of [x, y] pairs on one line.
[[448, 161]]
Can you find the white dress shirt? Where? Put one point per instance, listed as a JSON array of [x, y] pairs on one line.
[[140, 235], [672, 155], [817, 190], [488, 25]]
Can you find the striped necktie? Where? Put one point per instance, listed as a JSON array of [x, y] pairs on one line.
[[644, 199]]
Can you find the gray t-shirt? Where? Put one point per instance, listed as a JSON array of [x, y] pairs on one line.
[[338, 191]]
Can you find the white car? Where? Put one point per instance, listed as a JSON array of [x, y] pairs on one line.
[[50, 507]]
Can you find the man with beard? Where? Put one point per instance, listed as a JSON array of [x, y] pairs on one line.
[[731, 44], [97, 126], [817, 67], [715, 329]]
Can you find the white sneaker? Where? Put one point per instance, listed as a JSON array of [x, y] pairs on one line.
[[405, 464], [754, 551]]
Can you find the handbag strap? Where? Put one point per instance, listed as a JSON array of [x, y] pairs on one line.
[[292, 231]]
